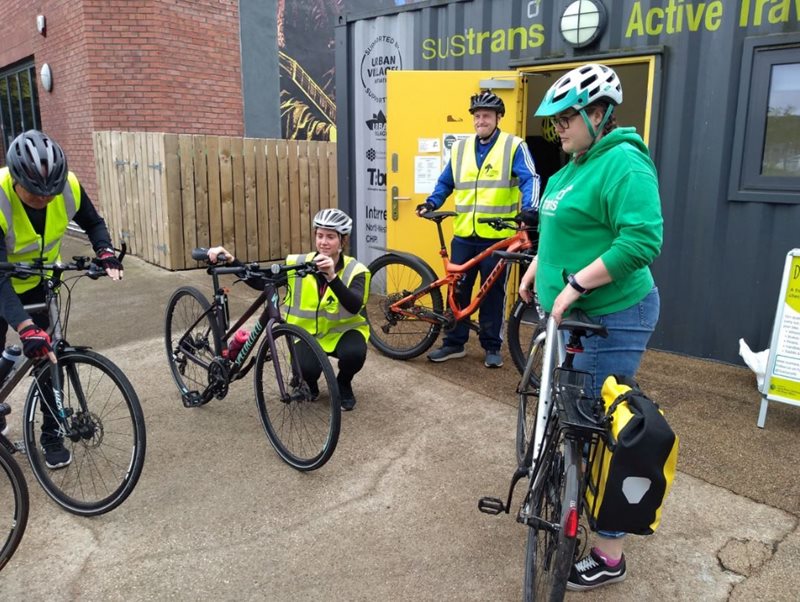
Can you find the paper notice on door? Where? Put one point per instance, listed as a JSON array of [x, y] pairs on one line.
[[448, 140], [426, 172], [427, 145]]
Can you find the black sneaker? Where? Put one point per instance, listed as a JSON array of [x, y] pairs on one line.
[[55, 454], [348, 399], [447, 352], [591, 571]]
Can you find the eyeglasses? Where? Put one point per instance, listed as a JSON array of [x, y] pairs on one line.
[[562, 122]]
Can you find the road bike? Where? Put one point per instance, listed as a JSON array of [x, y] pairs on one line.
[[84, 398], [406, 311], [554, 461], [14, 502], [300, 412]]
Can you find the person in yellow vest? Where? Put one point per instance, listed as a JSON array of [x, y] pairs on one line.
[[489, 175], [39, 196], [329, 304]]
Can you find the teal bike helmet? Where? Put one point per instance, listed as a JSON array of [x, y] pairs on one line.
[[581, 87]]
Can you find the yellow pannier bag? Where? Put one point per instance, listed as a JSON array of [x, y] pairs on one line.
[[632, 470]]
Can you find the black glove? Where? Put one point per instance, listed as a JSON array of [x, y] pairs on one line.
[[108, 261], [35, 341], [529, 217], [426, 206]]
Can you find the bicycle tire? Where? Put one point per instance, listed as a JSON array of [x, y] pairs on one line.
[[549, 554], [14, 505], [524, 323], [184, 308], [303, 428], [399, 336], [109, 440], [528, 395]]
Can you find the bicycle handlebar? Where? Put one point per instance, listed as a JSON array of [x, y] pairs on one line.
[[272, 272], [90, 265]]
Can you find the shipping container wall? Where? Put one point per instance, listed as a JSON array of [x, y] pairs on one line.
[[720, 268]]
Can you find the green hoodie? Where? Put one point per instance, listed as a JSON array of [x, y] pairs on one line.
[[603, 204]]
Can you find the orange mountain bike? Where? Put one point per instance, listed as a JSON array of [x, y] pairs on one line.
[[406, 311]]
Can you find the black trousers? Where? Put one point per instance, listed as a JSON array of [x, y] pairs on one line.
[[42, 320], [351, 351]]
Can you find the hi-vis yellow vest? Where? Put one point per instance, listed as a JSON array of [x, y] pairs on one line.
[[325, 317], [490, 191], [22, 242]]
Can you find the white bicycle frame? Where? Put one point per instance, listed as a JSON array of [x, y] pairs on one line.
[[552, 357]]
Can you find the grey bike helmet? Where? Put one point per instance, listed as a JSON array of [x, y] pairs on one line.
[[334, 219], [37, 163], [487, 100]]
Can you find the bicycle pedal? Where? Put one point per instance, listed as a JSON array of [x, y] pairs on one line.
[[193, 399], [491, 505]]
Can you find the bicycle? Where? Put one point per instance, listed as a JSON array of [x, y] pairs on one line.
[[567, 423], [300, 415], [406, 311], [14, 503], [85, 397]]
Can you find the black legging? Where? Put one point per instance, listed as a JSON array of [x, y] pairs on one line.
[[351, 350]]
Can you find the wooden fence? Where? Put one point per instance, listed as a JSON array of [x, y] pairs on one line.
[[165, 194]]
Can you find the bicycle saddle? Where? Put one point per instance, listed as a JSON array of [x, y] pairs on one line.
[[438, 216], [577, 320]]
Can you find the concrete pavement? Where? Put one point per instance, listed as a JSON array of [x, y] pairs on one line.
[[393, 515]]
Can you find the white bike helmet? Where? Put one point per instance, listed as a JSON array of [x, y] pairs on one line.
[[334, 219], [581, 87]]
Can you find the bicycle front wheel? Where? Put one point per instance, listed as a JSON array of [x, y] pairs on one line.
[[406, 335], [13, 505], [550, 503], [524, 324], [528, 390], [298, 398], [101, 439], [189, 336]]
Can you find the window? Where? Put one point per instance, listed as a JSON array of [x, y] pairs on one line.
[[19, 103], [766, 149]]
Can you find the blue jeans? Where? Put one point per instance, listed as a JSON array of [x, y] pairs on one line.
[[629, 331], [490, 317]]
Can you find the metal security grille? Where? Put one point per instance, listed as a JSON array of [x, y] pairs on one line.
[[19, 103]]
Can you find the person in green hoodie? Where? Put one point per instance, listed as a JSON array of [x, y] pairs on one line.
[[600, 228]]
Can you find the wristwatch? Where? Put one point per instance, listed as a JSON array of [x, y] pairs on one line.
[[573, 282]]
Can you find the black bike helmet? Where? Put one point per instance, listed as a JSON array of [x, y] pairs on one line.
[[487, 100], [37, 163]]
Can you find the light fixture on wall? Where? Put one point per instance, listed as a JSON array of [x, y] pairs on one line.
[[582, 22], [46, 77], [41, 24]]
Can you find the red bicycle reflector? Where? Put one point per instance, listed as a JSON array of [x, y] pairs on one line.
[[574, 349], [571, 524]]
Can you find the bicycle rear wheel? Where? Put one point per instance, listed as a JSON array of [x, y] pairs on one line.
[[189, 337], [104, 433], [298, 398], [524, 324], [401, 336], [13, 505], [551, 502]]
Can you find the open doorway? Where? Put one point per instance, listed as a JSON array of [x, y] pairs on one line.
[[636, 75]]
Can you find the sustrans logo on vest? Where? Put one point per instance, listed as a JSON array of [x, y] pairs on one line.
[[490, 171], [549, 205], [382, 55]]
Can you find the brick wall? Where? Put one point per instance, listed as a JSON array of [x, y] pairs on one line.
[[134, 65]]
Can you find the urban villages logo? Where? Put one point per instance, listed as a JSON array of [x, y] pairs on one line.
[[382, 55], [377, 125]]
